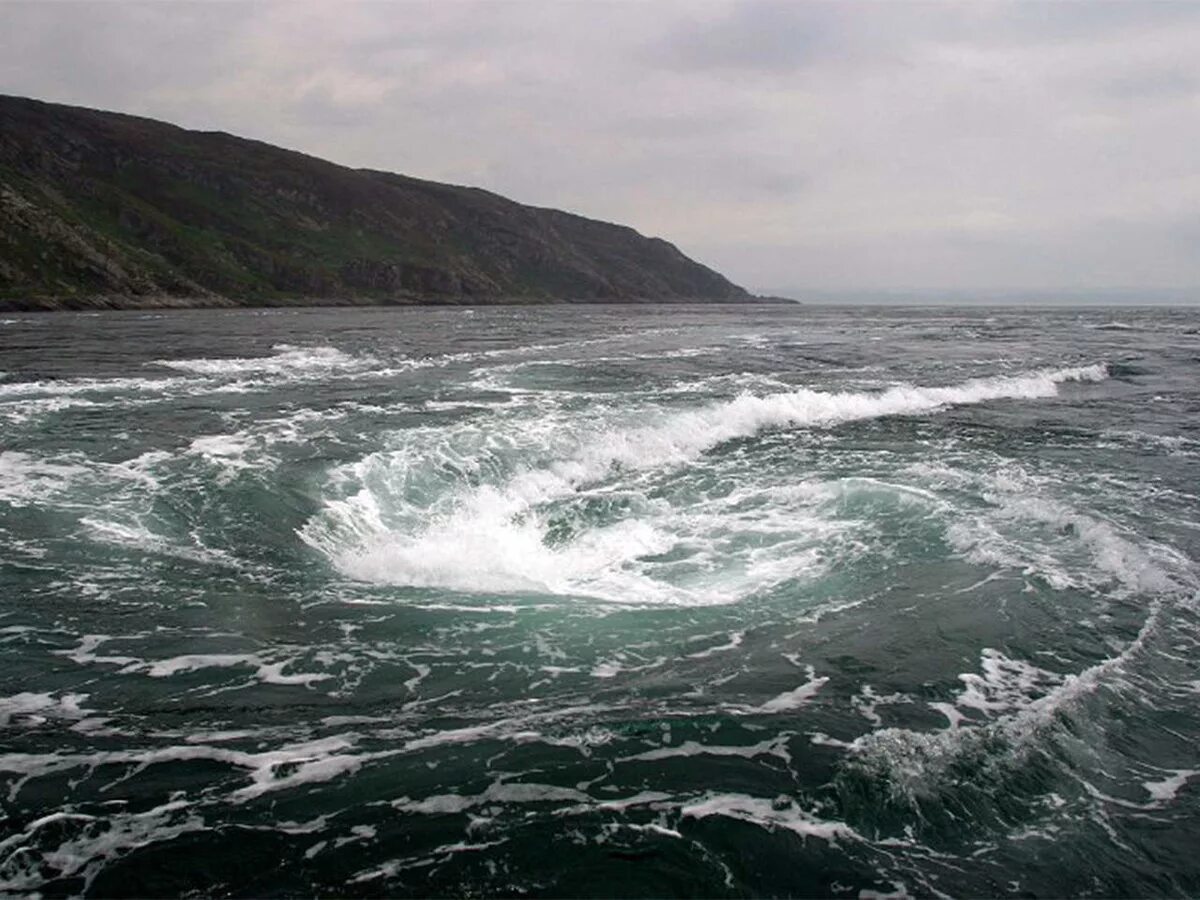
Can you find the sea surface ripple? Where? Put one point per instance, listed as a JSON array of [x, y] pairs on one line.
[[619, 601]]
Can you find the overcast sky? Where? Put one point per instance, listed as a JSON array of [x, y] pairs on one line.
[[969, 145]]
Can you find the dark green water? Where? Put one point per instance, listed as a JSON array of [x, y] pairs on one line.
[[600, 601]]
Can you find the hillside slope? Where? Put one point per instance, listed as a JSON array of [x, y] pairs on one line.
[[99, 209]]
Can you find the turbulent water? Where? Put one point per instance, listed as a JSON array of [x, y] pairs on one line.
[[600, 601]]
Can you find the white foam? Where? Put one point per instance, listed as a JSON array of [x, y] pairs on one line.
[[266, 670], [164, 668], [768, 814], [504, 556], [72, 386], [735, 641], [866, 701], [25, 401], [900, 892], [26, 480], [112, 502], [684, 435], [1164, 791], [1024, 699], [85, 842], [135, 534], [492, 537], [1171, 444], [226, 451], [776, 746], [984, 539], [85, 653], [569, 801], [1005, 684], [436, 856], [795, 698], [31, 709], [610, 668], [287, 360], [250, 448], [498, 792], [272, 673], [281, 768], [304, 766]]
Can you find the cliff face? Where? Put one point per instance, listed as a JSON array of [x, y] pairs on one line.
[[102, 209]]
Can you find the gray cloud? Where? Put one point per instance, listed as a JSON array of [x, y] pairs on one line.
[[760, 36], [1154, 83], [848, 145]]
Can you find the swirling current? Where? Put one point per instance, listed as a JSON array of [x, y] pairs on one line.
[[600, 601]]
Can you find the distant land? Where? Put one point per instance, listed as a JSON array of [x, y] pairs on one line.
[[978, 297], [103, 210]]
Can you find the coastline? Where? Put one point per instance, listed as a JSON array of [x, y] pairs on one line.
[[117, 302]]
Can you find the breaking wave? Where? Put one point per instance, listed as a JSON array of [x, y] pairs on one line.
[[425, 605], [286, 360], [496, 536]]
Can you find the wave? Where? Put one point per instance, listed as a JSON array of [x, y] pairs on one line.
[[1108, 558], [26, 480], [19, 390], [34, 709], [770, 814], [268, 667], [324, 361], [22, 401], [287, 359], [1014, 717], [491, 537], [1020, 703]]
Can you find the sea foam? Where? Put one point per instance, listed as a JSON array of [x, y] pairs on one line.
[[286, 360], [491, 538]]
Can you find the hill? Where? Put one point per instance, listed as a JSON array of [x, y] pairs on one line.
[[99, 209]]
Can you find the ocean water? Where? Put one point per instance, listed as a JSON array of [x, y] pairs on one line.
[[597, 601]]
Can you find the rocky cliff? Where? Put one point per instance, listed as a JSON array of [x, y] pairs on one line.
[[100, 209]]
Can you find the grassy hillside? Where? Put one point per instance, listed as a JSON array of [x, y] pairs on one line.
[[102, 209]]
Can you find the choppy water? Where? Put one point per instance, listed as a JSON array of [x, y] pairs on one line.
[[600, 601]]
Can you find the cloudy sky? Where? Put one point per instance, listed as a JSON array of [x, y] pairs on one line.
[[959, 146]]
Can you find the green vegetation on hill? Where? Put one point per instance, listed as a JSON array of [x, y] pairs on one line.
[[102, 209]]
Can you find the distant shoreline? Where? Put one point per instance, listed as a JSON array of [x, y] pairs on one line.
[[118, 303]]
